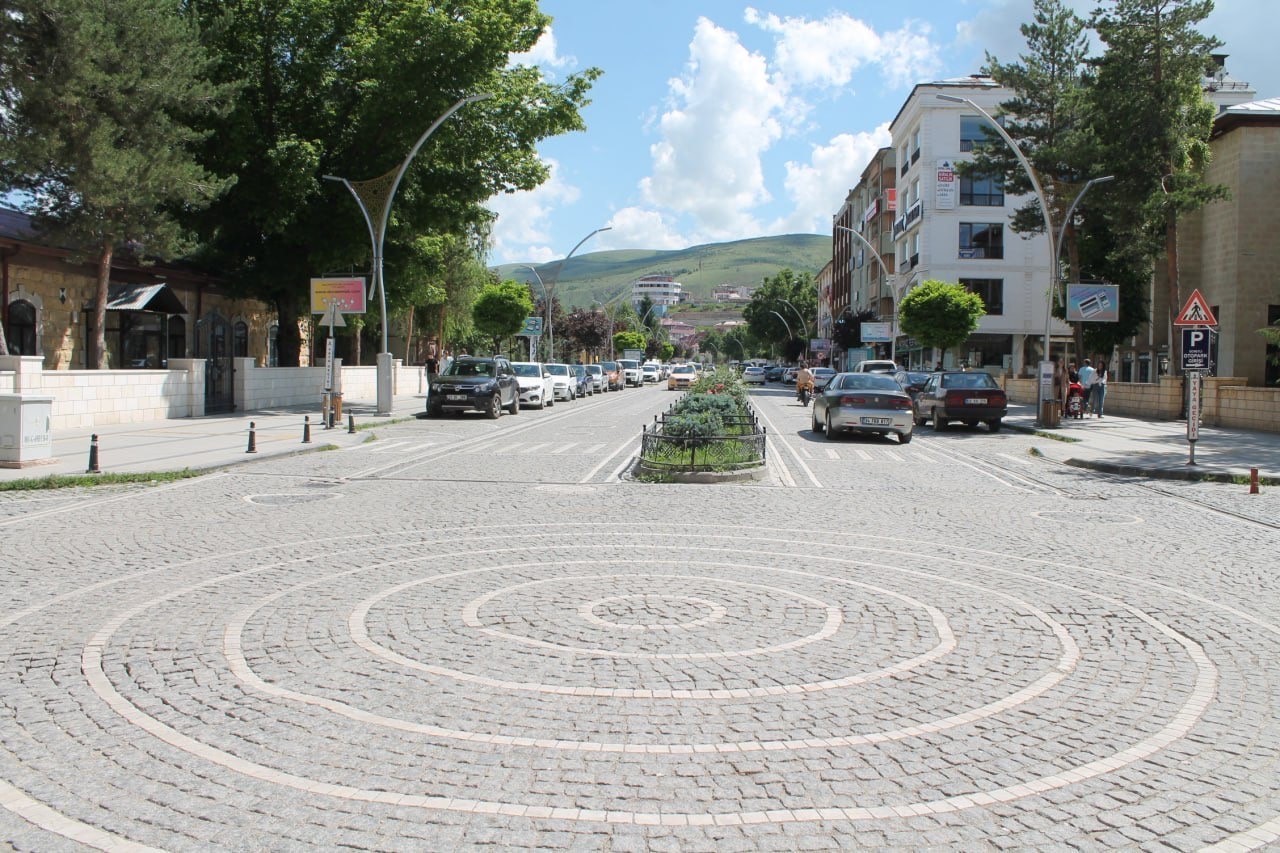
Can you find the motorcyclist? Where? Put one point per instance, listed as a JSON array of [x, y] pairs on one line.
[[804, 384]]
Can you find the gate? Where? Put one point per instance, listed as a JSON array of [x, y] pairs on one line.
[[215, 345]]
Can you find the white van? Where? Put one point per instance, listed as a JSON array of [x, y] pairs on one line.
[[873, 365]]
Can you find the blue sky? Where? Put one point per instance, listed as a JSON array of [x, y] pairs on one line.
[[718, 120]]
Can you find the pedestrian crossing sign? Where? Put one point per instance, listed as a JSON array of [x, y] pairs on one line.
[[1196, 312]]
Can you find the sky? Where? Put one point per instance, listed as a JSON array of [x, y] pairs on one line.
[[718, 120]]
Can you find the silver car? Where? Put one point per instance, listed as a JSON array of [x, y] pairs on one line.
[[863, 402]]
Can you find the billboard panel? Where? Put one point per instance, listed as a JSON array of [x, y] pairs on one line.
[[1093, 303], [345, 293], [877, 333]]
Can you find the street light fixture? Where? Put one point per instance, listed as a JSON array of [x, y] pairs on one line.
[[379, 192], [1054, 237], [803, 325], [893, 288], [551, 340], [546, 302], [785, 324]]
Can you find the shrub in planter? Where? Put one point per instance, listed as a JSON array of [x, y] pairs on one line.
[[704, 424], [721, 404]]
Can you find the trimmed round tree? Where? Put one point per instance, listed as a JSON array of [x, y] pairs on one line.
[[500, 310], [940, 314]]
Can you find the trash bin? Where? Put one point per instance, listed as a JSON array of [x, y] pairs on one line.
[[1050, 414]]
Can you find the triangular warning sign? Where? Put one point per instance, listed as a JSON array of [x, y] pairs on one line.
[[1196, 312]]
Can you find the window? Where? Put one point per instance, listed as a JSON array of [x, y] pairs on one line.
[[240, 340], [990, 289], [981, 240], [981, 191], [273, 345], [21, 328], [177, 337], [972, 134], [915, 145]]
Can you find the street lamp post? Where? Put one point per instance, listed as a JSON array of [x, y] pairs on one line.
[[551, 340], [1046, 366], [785, 325], [893, 288], [803, 325], [379, 192], [1062, 231], [545, 300]]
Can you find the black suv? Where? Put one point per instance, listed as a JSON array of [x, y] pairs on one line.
[[472, 383]]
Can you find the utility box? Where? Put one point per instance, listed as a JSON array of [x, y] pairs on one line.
[[26, 433]]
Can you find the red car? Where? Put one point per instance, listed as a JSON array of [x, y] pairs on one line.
[[968, 396]]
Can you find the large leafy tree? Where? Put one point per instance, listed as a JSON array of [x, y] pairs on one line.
[[97, 108], [781, 309], [345, 88], [940, 314], [586, 331], [1153, 122], [500, 310]]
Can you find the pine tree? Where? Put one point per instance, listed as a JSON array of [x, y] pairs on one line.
[[98, 101]]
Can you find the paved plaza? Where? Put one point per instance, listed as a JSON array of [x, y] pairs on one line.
[[457, 636]]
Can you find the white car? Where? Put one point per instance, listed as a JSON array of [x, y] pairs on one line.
[[875, 365], [631, 374], [564, 382], [649, 372], [536, 387], [753, 375], [598, 380]]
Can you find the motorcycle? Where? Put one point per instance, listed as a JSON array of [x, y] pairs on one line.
[[802, 394]]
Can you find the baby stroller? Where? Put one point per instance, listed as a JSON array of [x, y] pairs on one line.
[[1075, 400]]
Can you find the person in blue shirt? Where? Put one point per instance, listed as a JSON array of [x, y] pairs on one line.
[[1088, 376]]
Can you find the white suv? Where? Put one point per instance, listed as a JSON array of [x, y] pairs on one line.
[[631, 374], [875, 366]]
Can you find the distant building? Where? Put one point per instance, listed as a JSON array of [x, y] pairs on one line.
[[732, 293], [678, 331], [662, 290]]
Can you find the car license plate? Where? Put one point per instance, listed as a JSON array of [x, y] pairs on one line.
[[456, 397], [877, 421], [975, 401]]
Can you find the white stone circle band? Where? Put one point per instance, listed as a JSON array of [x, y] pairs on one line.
[[91, 660], [587, 611]]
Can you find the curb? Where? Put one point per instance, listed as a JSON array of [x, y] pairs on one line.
[[1190, 474]]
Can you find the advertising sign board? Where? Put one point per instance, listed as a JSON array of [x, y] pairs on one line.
[[1093, 303], [346, 294], [946, 187], [532, 328], [877, 333]]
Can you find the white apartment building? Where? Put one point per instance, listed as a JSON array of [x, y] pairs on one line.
[[662, 290], [958, 230]]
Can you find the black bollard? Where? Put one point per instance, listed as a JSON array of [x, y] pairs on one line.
[[351, 424], [93, 456], [306, 429], [328, 418], [253, 439]]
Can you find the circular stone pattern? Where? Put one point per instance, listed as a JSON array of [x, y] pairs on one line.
[[646, 680]]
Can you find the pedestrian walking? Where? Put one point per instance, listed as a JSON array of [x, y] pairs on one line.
[[1099, 396], [1087, 378]]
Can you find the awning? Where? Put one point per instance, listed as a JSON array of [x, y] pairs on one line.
[[156, 298]]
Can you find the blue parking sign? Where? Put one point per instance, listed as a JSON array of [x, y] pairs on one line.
[[1195, 348]]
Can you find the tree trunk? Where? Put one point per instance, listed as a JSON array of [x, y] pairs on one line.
[[289, 335], [408, 337], [98, 349]]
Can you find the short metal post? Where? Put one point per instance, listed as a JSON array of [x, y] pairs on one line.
[[328, 418], [93, 455], [253, 439], [351, 424], [306, 429]]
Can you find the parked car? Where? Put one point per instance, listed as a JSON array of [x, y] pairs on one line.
[[912, 381], [613, 373], [473, 383], [753, 375], [970, 396], [586, 387], [564, 382], [774, 374], [599, 384], [649, 372], [536, 388], [682, 376], [875, 365], [866, 403], [821, 376], [631, 374], [789, 375]]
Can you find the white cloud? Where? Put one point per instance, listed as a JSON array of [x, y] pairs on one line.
[[524, 218], [641, 228], [720, 121], [544, 52], [818, 188], [826, 52]]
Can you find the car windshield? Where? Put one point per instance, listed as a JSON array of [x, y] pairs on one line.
[[558, 369], [526, 369], [682, 368], [968, 380], [864, 382], [823, 371], [579, 370], [470, 368], [593, 369], [915, 378], [609, 365]]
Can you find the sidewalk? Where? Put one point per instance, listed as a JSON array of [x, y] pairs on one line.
[[1158, 449], [210, 442]]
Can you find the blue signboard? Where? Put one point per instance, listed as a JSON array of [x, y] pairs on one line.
[[1195, 349], [532, 328], [1093, 303]]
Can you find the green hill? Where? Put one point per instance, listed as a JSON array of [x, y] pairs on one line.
[[607, 276]]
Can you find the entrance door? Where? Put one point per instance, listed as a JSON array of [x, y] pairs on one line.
[[219, 388]]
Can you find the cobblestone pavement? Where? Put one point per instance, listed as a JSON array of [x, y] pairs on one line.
[[445, 640]]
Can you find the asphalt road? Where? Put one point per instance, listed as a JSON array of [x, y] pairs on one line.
[[470, 632]]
